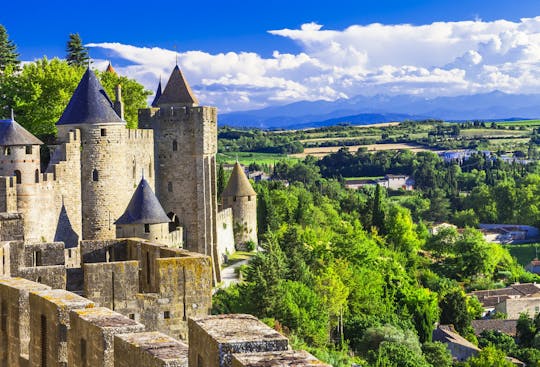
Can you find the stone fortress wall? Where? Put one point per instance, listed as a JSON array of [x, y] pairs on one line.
[[41, 326]]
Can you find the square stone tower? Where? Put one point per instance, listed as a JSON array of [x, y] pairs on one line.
[[185, 144]]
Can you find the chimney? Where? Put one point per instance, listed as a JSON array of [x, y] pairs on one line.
[[118, 104]]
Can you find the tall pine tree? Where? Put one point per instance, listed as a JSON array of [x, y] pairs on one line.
[[8, 51], [77, 54]]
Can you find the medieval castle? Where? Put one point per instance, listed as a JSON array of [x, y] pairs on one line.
[[110, 254]]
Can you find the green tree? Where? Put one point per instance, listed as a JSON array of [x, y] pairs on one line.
[[454, 310], [437, 354], [220, 180], [133, 95], [393, 354], [8, 52], [498, 340], [77, 54], [40, 93], [489, 357], [377, 209], [525, 330]]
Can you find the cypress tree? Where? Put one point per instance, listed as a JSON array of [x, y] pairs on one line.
[[220, 180], [77, 54], [8, 51]]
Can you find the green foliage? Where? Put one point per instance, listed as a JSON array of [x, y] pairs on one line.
[[41, 91], [454, 310], [489, 357], [220, 181], [392, 354], [9, 58], [437, 354], [498, 340], [76, 53], [133, 95]]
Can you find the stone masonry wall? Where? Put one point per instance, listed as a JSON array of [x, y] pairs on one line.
[[185, 148], [49, 325], [225, 234], [244, 210], [91, 337], [112, 285]]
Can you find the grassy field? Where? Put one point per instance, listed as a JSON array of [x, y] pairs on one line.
[[519, 123], [322, 151], [248, 157], [523, 253], [492, 132]]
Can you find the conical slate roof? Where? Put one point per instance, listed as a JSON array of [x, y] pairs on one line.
[[158, 94], [11, 133], [238, 184], [144, 207], [177, 90], [89, 104]]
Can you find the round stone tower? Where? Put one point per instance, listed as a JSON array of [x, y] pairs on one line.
[[19, 158], [242, 199], [104, 174], [144, 217]]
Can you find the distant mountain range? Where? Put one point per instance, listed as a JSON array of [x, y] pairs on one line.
[[363, 110]]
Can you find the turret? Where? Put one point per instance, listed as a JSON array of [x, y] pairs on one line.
[[158, 94], [242, 199], [145, 218], [185, 139], [104, 173], [20, 159]]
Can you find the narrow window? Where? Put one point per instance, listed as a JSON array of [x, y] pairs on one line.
[[132, 316], [44, 341], [167, 314], [249, 198], [37, 176], [146, 228], [18, 176], [95, 175], [169, 186], [37, 258], [4, 316], [134, 169], [83, 352], [39, 279], [234, 198], [150, 169], [199, 361], [103, 132], [28, 149], [174, 145], [7, 151], [148, 267]]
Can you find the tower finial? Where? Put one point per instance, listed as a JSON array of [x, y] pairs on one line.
[[142, 173], [175, 55], [12, 115]]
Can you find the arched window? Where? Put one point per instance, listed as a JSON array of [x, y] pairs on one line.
[[169, 186], [18, 176], [37, 175], [174, 145], [95, 175]]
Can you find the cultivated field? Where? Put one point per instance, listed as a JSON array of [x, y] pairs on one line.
[[323, 151]]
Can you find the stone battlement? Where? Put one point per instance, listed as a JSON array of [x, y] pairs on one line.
[[53, 327]]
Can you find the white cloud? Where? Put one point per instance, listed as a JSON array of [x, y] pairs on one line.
[[442, 58]]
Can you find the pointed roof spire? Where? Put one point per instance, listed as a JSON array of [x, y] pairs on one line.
[[89, 104], [158, 94], [144, 207], [177, 91], [238, 184], [11, 133], [110, 69]]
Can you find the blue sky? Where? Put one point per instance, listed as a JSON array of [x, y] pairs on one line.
[[318, 50]]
